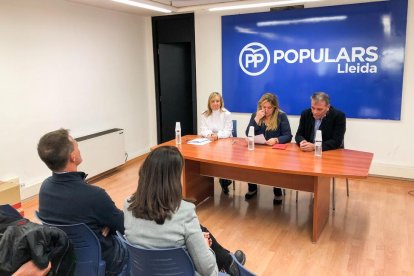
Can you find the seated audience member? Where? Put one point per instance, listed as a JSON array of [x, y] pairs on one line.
[[216, 123], [28, 248], [273, 123], [157, 217], [65, 198], [321, 116]]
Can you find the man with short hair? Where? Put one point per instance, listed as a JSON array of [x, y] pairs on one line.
[[321, 116], [66, 198]]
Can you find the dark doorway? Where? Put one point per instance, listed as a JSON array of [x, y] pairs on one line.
[[174, 64], [175, 89]]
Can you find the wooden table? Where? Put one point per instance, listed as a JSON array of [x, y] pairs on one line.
[[289, 168]]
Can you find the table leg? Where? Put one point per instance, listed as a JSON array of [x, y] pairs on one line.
[[322, 189], [195, 186]]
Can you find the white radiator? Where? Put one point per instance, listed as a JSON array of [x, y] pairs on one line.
[[101, 151]]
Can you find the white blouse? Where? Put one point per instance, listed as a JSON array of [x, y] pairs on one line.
[[218, 122]]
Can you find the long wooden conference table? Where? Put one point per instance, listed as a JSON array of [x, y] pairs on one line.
[[289, 168]]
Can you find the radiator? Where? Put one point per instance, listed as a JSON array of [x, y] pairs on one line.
[[101, 151]]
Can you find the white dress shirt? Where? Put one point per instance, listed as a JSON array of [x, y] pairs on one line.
[[218, 122]]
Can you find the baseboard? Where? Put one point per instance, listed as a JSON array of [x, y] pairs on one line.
[[137, 153], [391, 170], [29, 191]]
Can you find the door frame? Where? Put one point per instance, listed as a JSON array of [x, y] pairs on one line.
[[181, 30]]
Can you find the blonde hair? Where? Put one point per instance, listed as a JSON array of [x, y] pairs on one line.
[[209, 111], [272, 100]]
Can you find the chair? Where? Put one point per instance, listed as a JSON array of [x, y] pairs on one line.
[[172, 261], [234, 134], [234, 130], [8, 210], [333, 185], [87, 248], [242, 270], [333, 191], [169, 261]]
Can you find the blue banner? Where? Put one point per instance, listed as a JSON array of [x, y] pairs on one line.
[[355, 53]]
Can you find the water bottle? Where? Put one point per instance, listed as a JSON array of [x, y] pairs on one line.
[[318, 143], [250, 138], [178, 133]]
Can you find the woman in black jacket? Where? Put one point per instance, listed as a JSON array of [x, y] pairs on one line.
[[273, 123]]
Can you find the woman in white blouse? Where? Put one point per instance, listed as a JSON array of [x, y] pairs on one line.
[[216, 123]]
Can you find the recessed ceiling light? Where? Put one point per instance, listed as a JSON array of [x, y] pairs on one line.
[[261, 5], [143, 5]]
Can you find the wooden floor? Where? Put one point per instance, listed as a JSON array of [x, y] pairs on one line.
[[370, 233]]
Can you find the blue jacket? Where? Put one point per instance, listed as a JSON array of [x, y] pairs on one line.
[[65, 198]]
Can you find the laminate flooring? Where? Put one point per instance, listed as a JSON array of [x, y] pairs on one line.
[[371, 232]]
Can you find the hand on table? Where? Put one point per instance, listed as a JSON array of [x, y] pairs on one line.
[[272, 141], [306, 146], [212, 137]]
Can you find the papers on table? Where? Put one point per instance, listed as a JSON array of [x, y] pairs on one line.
[[199, 141], [259, 139]]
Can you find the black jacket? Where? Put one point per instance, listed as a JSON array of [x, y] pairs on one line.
[[282, 132], [22, 241], [333, 128]]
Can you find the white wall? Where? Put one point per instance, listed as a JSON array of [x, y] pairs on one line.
[[390, 141], [68, 65]]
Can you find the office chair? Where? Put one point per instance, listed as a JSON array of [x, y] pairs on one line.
[[169, 261], [87, 248], [333, 186], [333, 183], [234, 134], [234, 130], [8, 210], [333, 191], [242, 270]]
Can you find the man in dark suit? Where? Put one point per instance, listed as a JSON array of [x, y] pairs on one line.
[[321, 116]]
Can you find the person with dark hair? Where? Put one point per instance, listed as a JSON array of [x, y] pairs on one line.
[[273, 123], [156, 216], [216, 124], [66, 198], [321, 116]]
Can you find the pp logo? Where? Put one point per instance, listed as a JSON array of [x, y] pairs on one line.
[[254, 59]]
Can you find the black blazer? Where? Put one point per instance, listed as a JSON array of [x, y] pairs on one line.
[[333, 128]]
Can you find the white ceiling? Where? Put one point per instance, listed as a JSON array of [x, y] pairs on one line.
[[188, 3], [183, 6], [109, 4]]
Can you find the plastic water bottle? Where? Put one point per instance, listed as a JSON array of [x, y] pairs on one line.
[[178, 133], [250, 138], [318, 143]]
